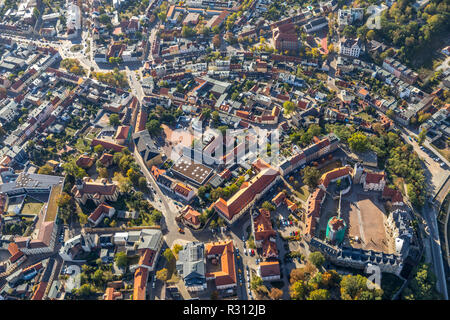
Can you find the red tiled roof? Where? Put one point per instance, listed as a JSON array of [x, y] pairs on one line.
[[101, 209], [106, 159], [374, 177], [268, 269], [140, 283], [84, 161], [336, 223], [147, 257], [107, 145], [39, 293], [141, 120], [393, 194], [36, 267], [122, 132], [313, 210]]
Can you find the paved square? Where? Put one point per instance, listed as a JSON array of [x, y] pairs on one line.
[[365, 218]]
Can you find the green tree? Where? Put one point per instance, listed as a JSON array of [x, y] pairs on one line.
[[98, 149], [121, 260], [311, 176], [319, 294], [316, 258], [154, 127], [358, 142], [162, 275], [390, 114], [256, 282], [422, 286], [422, 135], [354, 287], [298, 290], [168, 254], [114, 120], [268, 206], [45, 169], [289, 107]]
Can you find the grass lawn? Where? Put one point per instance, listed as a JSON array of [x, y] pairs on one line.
[[70, 131], [92, 133], [76, 47], [399, 184], [52, 208], [82, 145], [303, 193], [365, 116], [32, 208]]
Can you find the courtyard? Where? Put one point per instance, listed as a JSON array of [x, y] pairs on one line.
[[365, 216]]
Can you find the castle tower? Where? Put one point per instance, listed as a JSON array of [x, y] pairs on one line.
[[358, 173]]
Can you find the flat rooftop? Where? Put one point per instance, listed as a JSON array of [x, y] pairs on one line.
[[191, 170]]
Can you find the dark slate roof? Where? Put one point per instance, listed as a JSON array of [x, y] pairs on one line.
[[145, 145]]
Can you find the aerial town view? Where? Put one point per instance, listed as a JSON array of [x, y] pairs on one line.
[[224, 150]]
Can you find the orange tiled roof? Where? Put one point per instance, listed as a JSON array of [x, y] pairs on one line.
[[278, 199], [227, 274], [334, 174], [182, 189], [107, 145], [140, 283], [191, 215], [245, 195], [39, 293], [112, 294]]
